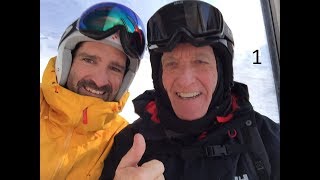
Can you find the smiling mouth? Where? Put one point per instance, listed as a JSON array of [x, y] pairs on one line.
[[93, 91], [189, 95]]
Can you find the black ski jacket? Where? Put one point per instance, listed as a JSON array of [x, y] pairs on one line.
[[245, 147]]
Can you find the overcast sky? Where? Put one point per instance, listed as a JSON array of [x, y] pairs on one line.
[[243, 17]]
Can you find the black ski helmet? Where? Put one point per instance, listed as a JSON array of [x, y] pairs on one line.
[[195, 22], [98, 24]]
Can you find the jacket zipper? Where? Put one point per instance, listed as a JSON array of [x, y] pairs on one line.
[[65, 147]]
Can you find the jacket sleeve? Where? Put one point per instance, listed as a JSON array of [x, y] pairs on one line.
[[270, 134], [122, 143]]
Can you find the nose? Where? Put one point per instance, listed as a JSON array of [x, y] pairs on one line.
[[100, 77], [185, 76]]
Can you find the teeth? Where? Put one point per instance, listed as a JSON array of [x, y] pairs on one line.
[[94, 91], [188, 95]]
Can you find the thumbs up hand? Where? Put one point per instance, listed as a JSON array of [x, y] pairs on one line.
[[128, 168]]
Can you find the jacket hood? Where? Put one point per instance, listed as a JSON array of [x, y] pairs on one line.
[[141, 101], [71, 109]]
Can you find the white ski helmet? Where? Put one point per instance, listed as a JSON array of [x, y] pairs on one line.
[[102, 23]]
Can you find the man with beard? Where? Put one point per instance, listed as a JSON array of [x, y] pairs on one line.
[[84, 88]]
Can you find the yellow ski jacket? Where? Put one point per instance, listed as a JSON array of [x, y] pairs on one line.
[[76, 132]]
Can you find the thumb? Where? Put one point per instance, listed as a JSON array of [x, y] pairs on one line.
[[134, 155]]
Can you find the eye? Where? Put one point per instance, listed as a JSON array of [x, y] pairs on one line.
[[199, 61], [88, 60], [116, 69], [169, 64]]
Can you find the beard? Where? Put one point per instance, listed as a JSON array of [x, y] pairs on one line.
[[90, 88]]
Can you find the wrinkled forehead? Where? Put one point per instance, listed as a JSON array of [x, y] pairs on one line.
[[183, 50]]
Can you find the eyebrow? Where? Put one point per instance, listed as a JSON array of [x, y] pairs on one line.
[[114, 62], [83, 54]]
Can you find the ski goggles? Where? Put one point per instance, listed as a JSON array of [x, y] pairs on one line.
[[199, 23], [104, 19]]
